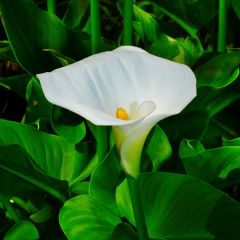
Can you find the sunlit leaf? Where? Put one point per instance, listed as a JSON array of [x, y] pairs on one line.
[[27, 171], [219, 71], [68, 124], [148, 24], [212, 165], [86, 218], [54, 155], [23, 230], [181, 207], [158, 147], [104, 180]]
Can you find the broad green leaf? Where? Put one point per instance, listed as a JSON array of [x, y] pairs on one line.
[[23, 230], [181, 207], [189, 125], [104, 180], [216, 166], [17, 84], [42, 30], [68, 125], [55, 156], [85, 218], [157, 147], [15, 161], [219, 71], [178, 50], [77, 14], [38, 106]]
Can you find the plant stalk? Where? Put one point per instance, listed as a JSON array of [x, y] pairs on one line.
[[95, 25], [135, 195], [127, 22], [51, 6], [222, 25]]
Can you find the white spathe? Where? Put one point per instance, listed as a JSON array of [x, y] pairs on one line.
[[149, 88]]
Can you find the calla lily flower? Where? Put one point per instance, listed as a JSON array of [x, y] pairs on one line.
[[126, 88]]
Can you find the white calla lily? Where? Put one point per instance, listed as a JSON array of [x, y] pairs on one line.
[[128, 89]]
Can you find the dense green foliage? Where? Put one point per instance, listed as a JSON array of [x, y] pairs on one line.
[[59, 179]]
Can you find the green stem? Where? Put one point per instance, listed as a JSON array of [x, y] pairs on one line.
[[11, 211], [127, 22], [95, 25], [51, 6], [222, 25], [133, 185]]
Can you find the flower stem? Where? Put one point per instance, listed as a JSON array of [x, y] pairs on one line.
[[222, 25], [95, 26], [133, 185], [127, 22], [51, 6]]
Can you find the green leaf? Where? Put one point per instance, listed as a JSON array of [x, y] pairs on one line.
[[68, 125], [15, 161], [157, 147], [149, 25], [38, 106], [77, 14], [104, 180], [54, 155], [42, 30], [232, 142], [219, 71], [217, 166], [17, 84], [86, 218], [178, 50], [181, 207], [23, 230]]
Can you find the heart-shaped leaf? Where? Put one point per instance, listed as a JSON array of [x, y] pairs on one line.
[[181, 207]]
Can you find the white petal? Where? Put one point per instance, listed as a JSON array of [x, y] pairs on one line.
[[96, 86]]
